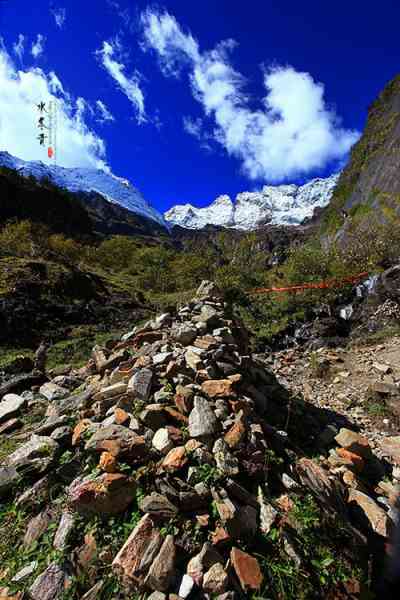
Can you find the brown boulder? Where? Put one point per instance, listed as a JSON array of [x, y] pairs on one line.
[[218, 388], [247, 570]]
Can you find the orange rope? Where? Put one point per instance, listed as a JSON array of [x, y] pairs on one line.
[[309, 286]]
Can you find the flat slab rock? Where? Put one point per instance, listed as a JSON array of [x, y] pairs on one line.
[[52, 391], [37, 454], [11, 406], [51, 584], [247, 570], [376, 516], [140, 549], [162, 572]]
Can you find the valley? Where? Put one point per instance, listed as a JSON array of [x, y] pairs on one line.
[[165, 433]]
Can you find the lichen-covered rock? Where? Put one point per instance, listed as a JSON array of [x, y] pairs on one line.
[[36, 455], [118, 441], [109, 493]]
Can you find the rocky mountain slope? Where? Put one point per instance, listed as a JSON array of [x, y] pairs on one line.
[[175, 463], [276, 205], [111, 188], [370, 183]]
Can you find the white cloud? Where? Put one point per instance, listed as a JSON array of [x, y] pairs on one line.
[[104, 113], [124, 14], [19, 48], [293, 133], [21, 91], [59, 15], [38, 46], [129, 86], [196, 128]]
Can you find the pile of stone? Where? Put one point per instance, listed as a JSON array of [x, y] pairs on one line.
[[177, 419]]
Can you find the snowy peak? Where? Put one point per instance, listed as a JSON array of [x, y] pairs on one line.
[[114, 189], [277, 205]]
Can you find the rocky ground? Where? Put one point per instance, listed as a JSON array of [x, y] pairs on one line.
[[177, 465], [359, 383]]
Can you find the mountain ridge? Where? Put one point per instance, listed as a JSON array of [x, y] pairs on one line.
[[286, 204], [115, 190]]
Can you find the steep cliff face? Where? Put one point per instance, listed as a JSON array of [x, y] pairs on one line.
[[370, 183]]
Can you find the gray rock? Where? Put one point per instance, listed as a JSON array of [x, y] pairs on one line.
[[140, 384], [162, 572], [158, 505], [50, 424], [25, 572], [52, 391], [208, 315], [11, 406], [50, 585], [225, 334], [268, 514], [64, 530], [153, 416], [202, 420], [125, 436], [226, 462], [208, 290], [35, 455], [8, 478], [35, 495], [37, 526], [93, 593], [162, 441], [162, 358], [186, 586], [156, 596], [184, 334], [62, 435], [193, 358]]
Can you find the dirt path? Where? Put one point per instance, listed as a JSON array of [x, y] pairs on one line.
[[361, 383]]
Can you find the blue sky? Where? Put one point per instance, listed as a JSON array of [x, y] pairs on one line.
[[190, 100]]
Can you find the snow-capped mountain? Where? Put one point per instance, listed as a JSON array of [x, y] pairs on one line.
[[277, 205], [114, 189]]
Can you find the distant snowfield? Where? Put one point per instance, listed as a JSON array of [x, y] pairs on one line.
[[112, 188], [277, 205]]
